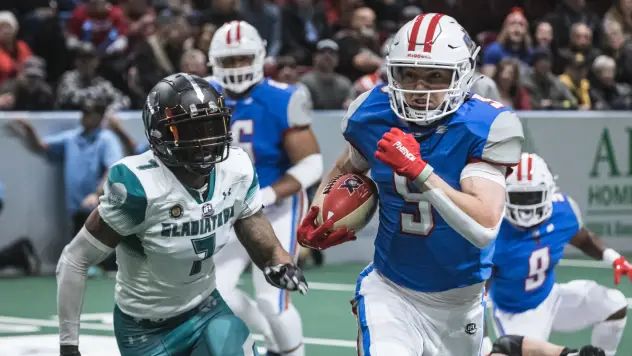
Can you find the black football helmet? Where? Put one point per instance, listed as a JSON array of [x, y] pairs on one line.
[[187, 123]]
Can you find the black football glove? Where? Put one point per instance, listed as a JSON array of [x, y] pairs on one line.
[[287, 276], [69, 350], [588, 350]]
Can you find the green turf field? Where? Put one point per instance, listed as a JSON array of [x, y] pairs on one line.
[[28, 309]]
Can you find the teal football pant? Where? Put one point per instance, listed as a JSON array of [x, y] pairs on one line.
[[211, 329]]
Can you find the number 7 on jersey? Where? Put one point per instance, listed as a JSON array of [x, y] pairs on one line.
[[421, 222]]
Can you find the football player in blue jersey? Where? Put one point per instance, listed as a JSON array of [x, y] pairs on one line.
[[439, 156], [271, 121], [539, 223]]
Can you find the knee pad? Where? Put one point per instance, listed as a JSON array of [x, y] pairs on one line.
[[510, 345]]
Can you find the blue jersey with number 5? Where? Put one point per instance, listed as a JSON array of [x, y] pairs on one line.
[[525, 260], [414, 246], [261, 118]]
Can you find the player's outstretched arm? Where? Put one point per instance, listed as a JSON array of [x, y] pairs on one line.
[[92, 245], [592, 245], [258, 238]]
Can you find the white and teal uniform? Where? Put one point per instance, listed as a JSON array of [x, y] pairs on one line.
[[171, 232]]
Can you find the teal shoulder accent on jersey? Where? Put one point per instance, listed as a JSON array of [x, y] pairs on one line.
[[254, 186], [126, 193]]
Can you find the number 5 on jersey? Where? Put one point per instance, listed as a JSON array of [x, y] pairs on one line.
[[421, 222]]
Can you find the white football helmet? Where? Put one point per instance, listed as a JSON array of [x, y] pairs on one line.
[[237, 38], [530, 189], [431, 41]]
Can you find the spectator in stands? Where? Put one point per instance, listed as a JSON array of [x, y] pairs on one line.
[[605, 93], [575, 77], [194, 61], [142, 21], [544, 36], [286, 71], [484, 85], [159, 55], [13, 52], [621, 12], [98, 22], [581, 42], [369, 81], [329, 90], [221, 11], [304, 24], [507, 79], [359, 45], [265, 16], [204, 37], [566, 14], [29, 90], [546, 90], [513, 41], [82, 84], [619, 46], [86, 154]]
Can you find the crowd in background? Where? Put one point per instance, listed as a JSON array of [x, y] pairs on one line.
[[565, 54]]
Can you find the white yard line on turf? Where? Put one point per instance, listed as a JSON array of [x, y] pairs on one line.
[[106, 327]]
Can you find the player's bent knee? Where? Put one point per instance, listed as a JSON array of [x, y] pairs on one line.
[[619, 300], [510, 345]]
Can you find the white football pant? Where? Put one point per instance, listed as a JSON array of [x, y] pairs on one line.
[[393, 320], [272, 313], [570, 307]]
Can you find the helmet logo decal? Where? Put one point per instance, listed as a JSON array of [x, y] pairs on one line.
[[430, 32], [196, 87]]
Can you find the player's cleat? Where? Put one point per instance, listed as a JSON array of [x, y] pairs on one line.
[[587, 350], [69, 350]]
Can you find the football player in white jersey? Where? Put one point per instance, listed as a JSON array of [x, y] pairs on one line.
[[167, 212]]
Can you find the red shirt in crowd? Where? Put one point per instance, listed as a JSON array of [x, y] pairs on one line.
[[100, 24], [11, 65]]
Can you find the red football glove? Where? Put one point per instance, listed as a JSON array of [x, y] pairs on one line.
[[621, 267], [318, 237], [400, 151]]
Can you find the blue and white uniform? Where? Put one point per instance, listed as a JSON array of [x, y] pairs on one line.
[[422, 295], [527, 300], [259, 122]]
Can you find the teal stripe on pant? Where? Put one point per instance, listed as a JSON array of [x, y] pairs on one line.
[[211, 329]]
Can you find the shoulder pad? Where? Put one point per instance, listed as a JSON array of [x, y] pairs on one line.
[[300, 108], [366, 106]]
